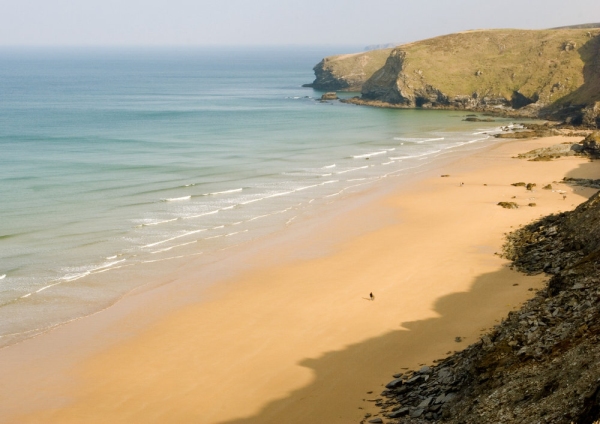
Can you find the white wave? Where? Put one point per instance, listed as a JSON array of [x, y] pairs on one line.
[[190, 185], [159, 222], [368, 155], [71, 277], [468, 142], [237, 232], [2, 277], [418, 140], [330, 182], [52, 285], [201, 214], [357, 179], [329, 166], [189, 233], [387, 163], [173, 247], [111, 268], [213, 237], [235, 190], [218, 227], [172, 257], [111, 257], [390, 150], [307, 187], [269, 214], [27, 295], [107, 265], [177, 199], [283, 193], [325, 175], [289, 221], [422, 155], [352, 169]]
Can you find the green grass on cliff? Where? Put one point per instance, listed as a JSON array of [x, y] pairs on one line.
[[549, 64], [358, 67]]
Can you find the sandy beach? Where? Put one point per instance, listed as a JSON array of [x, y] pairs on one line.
[[289, 334]]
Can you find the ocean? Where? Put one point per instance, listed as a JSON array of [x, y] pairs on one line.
[[113, 160]]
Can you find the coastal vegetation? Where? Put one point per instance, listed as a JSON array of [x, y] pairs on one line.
[[552, 73]]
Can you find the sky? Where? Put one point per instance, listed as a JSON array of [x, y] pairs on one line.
[[271, 22]]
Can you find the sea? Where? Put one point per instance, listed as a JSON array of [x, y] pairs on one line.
[[115, 160]]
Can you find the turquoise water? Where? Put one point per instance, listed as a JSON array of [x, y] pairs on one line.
[[120, 158]]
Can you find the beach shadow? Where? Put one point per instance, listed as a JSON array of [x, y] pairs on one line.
[[413, 344]]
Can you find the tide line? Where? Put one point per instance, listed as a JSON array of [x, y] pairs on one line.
[[174, 238]]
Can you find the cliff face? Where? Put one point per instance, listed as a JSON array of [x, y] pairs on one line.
[[348, 72], [531, 71], [547, 73]]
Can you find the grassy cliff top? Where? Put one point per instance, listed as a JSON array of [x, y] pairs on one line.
[[548, 64]]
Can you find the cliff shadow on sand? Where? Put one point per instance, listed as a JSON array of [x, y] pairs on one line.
[[347, 381], [539, 364]]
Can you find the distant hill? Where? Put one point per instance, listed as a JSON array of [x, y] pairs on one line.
[[553, 73], [580, 26]]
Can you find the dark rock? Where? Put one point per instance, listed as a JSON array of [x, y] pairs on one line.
[[425, 403], [416, 413], [394, 383], [425, 370], [413, 380], [399, 413], [332, 95], [519, 184], [508, 205], [376, 421]]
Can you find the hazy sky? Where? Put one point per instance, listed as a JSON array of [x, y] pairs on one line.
[[240, 22]]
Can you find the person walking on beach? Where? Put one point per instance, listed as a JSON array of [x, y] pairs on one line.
[[371, 296]]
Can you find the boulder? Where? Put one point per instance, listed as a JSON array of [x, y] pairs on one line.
[[331, 95], [508, 205]]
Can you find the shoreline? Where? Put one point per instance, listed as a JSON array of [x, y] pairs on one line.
[[296, 324]]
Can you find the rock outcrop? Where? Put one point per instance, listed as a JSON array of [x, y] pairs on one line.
[[348, 72], [531, 73]]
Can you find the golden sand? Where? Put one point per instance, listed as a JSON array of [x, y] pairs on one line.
[[293, 336]]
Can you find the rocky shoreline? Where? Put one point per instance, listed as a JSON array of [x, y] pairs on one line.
[[541, 364]]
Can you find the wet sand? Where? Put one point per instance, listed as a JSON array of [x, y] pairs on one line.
[[291, 334]]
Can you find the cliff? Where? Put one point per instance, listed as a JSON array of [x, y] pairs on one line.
[[348, 72], [535, 73]]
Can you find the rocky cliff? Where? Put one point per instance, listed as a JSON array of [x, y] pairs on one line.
[[348, 72], [547, 73]]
